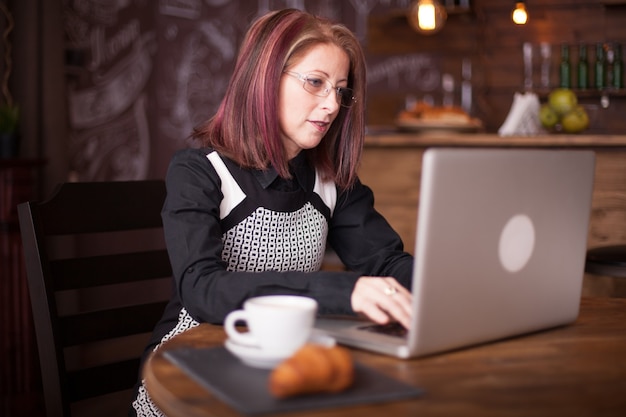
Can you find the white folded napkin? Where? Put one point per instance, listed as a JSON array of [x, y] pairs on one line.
[[523, 117]]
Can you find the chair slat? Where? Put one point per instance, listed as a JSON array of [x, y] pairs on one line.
[[107, 324], [78, 208], [94, 271], [96, 381]]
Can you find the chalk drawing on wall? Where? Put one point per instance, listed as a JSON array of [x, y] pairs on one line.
[[362, 8], [326, 8], [105, 49], [264, 6], [402, 72], [114, 91], [100, 12], [197, 74], [109, 135], [119, 150], [189, 9], [216, 3]]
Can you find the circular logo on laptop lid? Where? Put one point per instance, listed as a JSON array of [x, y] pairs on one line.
[[517, 242]]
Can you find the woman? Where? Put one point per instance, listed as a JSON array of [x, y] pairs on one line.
[[250, 213]]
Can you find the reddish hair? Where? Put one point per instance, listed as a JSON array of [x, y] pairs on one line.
[[246, 127]]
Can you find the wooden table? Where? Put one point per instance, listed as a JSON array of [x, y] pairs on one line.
[[576, 370]]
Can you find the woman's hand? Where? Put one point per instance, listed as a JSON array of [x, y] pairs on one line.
[[382, 299]]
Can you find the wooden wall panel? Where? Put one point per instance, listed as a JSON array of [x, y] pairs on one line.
[[608, 217], [394, 176]]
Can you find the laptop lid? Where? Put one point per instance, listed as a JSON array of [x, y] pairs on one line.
[[500, 249]]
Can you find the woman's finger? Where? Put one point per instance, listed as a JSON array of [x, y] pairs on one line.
[[382, 300]]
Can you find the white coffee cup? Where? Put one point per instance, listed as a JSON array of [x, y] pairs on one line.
[[277, 324]]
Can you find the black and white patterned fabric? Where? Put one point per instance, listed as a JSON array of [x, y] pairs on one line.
[[264, 230]]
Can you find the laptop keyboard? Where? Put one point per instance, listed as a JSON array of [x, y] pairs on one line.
[[390, 329]]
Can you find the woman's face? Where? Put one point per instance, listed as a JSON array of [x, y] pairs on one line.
[[305, 118]]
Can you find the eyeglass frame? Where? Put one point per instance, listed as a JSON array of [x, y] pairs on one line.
[[338, 90]]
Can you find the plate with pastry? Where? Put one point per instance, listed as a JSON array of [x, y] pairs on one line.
[[423, 117], [313, 378]]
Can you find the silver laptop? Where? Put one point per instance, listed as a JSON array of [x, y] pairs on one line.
[[500, 250]]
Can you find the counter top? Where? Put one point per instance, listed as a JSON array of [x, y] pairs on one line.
[[391, 138]]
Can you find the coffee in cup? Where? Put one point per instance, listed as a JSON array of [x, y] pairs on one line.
[[277, 324]]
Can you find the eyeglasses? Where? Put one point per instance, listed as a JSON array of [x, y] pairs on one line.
[[321, 87]]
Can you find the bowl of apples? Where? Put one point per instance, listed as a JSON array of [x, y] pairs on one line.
[[563, 113]]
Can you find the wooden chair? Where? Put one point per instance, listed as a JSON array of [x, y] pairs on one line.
[[99, 278]]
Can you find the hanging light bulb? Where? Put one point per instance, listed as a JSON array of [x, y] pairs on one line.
[[427, 16], [519, 15]]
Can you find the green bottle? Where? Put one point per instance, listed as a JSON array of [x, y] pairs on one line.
[[564, 68], [599, 67], [583, 68], [618, 75]]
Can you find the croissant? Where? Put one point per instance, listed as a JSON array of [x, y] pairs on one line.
[[313, 369]]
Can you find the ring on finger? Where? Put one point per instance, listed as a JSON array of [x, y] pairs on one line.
[[390, 290]]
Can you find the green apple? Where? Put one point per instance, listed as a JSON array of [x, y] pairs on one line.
[[548, 117], [575, 121], [562, 100]]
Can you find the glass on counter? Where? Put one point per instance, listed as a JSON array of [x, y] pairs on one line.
[[582, 67], [565, 75]]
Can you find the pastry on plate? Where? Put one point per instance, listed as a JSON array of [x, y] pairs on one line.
[[313, 369]]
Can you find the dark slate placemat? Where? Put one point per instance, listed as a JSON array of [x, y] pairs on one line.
[[246, 388]]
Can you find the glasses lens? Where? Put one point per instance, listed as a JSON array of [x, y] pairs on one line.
[[347, 96], [321, 87], [317, 86]]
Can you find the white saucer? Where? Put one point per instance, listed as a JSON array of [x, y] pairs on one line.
[[254, 356], [318, 337], [257, 358]]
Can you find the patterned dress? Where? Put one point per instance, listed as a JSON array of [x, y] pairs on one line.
[[263, 230]]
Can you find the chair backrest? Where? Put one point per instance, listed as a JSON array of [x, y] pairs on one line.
[[99, 278]]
